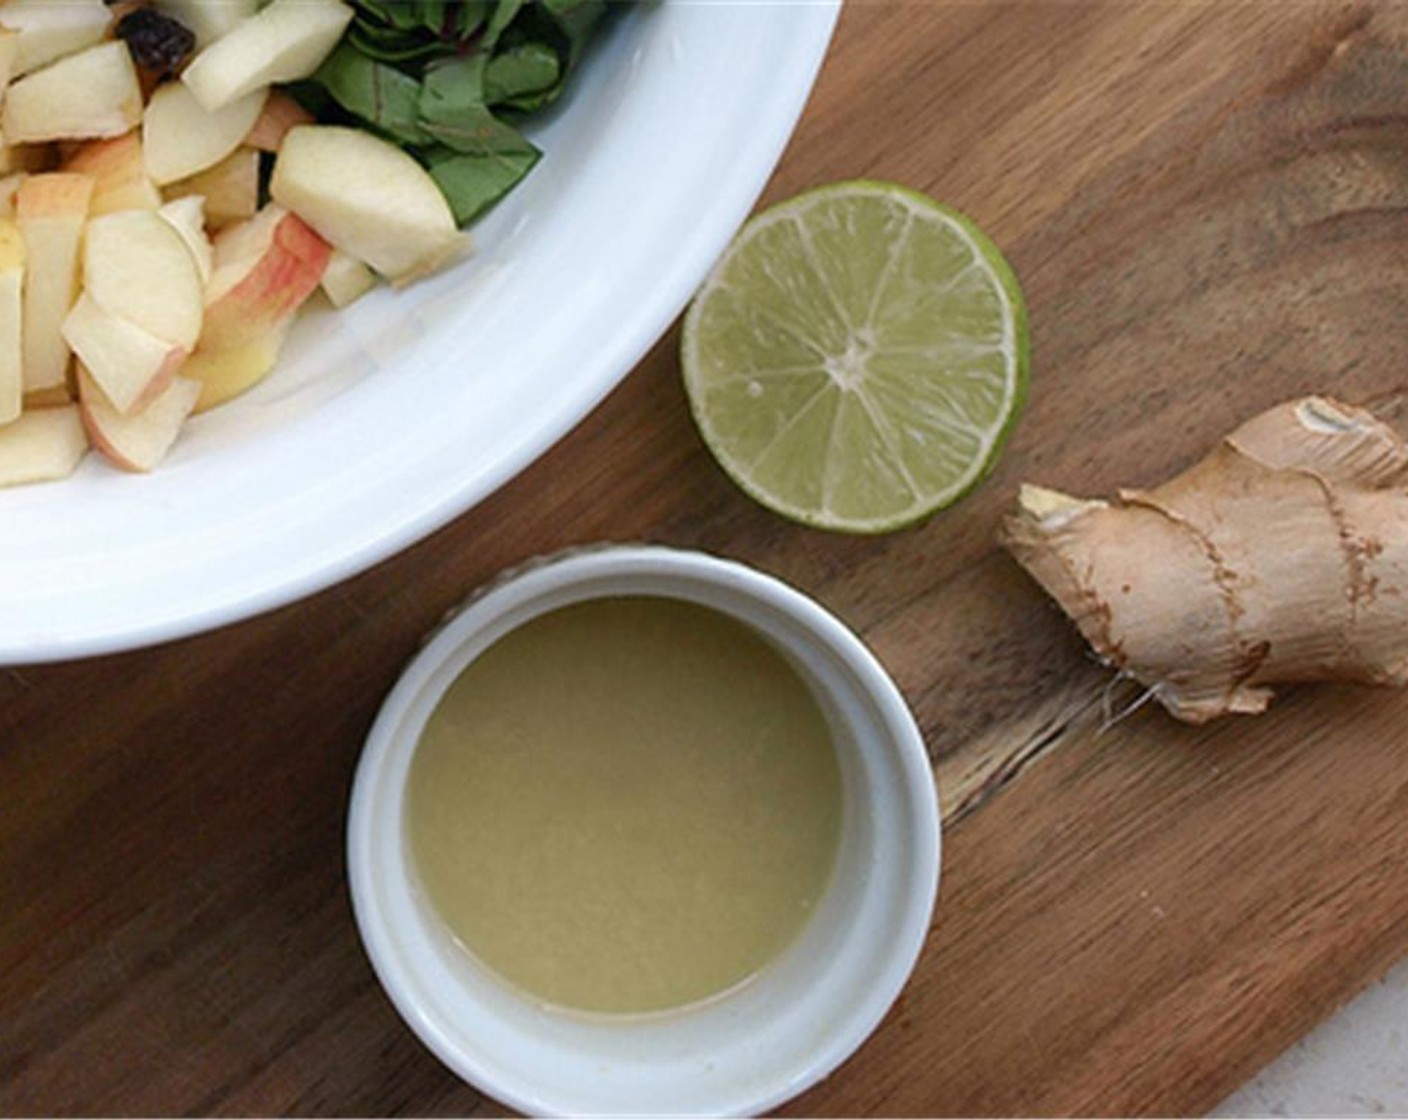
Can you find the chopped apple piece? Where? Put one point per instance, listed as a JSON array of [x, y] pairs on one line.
[[136, 441], [129, 364], [346, 279], [136, 266], [120, 180], [41, 445], [11, 321], [93, 93], [280, 113], [230, 188], [266, 282], [47, 30], [225, 374], [208, 20], [9, 187], [265, 270], [50, 211], [57, 194], [367, 197], [243, 242], [187, 217], [9, 53], [180, 138], [283, 42]]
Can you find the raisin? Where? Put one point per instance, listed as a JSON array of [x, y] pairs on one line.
[[158, 43]]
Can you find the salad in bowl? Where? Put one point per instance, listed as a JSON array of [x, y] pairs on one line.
[[371, 375]]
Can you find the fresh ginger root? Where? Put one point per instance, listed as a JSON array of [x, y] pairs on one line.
[[1281, 557]]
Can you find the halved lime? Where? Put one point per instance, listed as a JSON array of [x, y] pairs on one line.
[[857, 356]]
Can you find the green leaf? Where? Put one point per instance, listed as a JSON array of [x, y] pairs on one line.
[[379, 94], [473, 183], [528, 68], [435, 14], [399, 30], [425, 74], [576, 20], [390, 46], [504, 13], [474, 130], [396, 13], [451, 83], [466, 18], [452, 109]]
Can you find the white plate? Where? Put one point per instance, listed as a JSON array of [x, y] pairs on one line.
[[385, 421]]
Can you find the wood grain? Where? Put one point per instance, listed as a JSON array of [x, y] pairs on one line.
[[1207, 207]]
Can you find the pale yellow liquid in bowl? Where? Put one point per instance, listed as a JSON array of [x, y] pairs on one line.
[[626, 805]]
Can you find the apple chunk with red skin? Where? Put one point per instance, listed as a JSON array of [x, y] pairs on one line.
[[9, 187], [136, 441], [264, 271], [131, 365], [50, 211], [280, 113], [119, 174]]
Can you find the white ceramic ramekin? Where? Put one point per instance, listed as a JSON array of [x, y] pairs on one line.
[[739, 1054]]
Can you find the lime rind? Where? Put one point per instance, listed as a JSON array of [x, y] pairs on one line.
[[783, 329]]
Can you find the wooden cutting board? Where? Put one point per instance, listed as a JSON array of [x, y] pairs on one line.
[[1206, 205]]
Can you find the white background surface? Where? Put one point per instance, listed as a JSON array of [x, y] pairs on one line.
[[1353, 1064]]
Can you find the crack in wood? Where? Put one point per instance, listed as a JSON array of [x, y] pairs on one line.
[[969, 778]]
